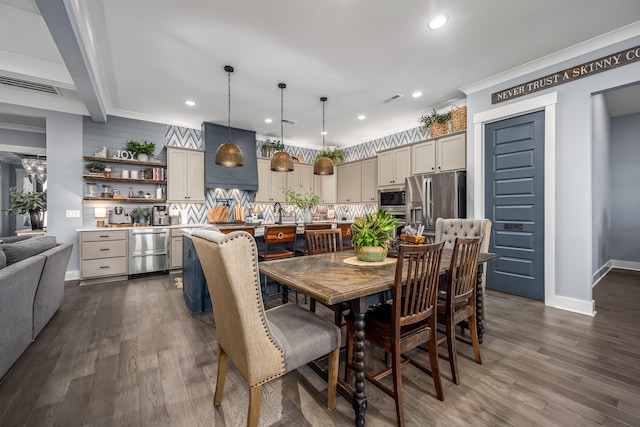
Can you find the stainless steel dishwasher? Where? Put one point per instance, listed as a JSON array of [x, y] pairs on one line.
[[148, 250]]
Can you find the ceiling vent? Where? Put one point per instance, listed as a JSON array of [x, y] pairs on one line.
[[24, 84], [394, 97]]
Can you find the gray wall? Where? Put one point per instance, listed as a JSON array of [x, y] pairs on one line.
[[21, 138], [573, 242], [600, 181], [625, 193]]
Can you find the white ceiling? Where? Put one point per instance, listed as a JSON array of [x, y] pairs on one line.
[[145, 57]]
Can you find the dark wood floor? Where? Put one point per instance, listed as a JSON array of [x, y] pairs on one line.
[[129, 354]]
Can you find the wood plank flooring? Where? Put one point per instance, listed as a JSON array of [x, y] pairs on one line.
[[129, 354]]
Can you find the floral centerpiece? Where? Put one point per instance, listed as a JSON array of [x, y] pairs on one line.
[[303, 201]]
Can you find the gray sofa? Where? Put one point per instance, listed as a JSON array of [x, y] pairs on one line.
[[31, 291]]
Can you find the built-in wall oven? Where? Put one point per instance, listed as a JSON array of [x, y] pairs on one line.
[[148, 250], [393, 201]]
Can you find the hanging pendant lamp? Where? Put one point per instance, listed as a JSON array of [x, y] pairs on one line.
[[229, 154], [282, 161], [323, 165]]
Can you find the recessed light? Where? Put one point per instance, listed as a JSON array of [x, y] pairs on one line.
[[268, 120], [416, 94], [362, 117], [438, 21], [190, 102], [323, 132]]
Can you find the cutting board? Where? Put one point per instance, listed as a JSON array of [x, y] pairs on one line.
[[218, 214], [238, 213]]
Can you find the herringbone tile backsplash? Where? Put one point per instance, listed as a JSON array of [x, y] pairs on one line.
[[197, 212]]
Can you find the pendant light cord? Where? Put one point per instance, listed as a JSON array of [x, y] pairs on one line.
[[282, 115], [323, 132], [229, 115]]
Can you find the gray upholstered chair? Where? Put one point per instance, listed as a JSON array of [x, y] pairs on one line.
[[448, 229], [263, 345]]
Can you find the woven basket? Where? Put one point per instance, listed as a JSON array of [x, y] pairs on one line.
[[458, 118], [438, 129]]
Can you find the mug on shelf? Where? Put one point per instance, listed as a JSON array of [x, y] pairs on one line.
[[134, 174], [125, 173]]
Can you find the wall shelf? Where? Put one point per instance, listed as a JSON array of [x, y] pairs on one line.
[[125, 200], [124, 161], [134, 181]]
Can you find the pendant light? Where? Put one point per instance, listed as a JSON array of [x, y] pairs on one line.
[[282, 161], [229, 154], [323, 165]]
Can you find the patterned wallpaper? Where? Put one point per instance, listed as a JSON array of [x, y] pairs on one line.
[[197, 212]]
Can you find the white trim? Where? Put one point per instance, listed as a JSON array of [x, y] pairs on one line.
[[548, 103], [599, 275], [22, 128], [72, 275], [583, 48], [626, 265], [574, 305], [22, 149]]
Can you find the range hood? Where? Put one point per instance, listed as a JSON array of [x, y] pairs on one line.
[[244, 177]]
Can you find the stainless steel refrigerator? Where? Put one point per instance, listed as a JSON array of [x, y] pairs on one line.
[[435, 195]]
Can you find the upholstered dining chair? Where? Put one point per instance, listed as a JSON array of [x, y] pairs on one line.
[[458, 302], [407, 322], [448, 229], [263, 345]]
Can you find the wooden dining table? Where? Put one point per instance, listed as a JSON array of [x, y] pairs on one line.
[[330, 280]]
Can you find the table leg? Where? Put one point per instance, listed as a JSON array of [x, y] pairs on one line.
[[479, 304], [359, 398], [285, 294]]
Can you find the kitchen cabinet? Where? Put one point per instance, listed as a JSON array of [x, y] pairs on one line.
[[325, 187], [270, 183], [369, 181], [156, 172], [394, 166], [440, 154], [301, 178], [176, 249], [103, 255], [350, 182], [185, 170], [194, 286]]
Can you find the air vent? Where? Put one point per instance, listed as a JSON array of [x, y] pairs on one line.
[[24, 84], [289, 122], [394, 97]]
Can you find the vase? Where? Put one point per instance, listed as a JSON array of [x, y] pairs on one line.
[[371, 253], [143, 157], [37, 219], [142, 220], [307, 217]]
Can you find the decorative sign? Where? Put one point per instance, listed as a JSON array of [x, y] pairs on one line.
[[599, 65]]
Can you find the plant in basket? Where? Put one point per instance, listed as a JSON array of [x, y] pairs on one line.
[[371, 234], [436, 123]]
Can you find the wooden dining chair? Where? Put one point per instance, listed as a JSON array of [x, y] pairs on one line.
[[407, 322], [311, 227], [458, 302], [263, 345], [347, 244], [278, 235]]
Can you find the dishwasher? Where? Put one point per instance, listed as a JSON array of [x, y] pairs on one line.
[[148, 250]]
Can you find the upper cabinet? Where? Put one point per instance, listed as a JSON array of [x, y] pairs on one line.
[[185, 175], [394, 166], [325, 187], [350, 182], [369, 181], [440, 154], [301, 178], [271, 184]]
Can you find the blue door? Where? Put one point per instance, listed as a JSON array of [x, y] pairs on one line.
[[514, 201]]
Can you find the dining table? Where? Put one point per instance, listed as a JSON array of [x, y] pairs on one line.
[[335, 278]]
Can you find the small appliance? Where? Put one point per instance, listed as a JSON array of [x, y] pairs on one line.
[[159, 215], [118, 216]]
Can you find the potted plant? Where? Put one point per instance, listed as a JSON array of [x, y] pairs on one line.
[[278, 146], [141, 150], [305, 202], [435, 123], [141, 215], [335, 154], [33, 203], [95, 167], [370, 235]]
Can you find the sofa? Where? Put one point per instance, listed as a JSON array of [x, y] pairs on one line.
[[32, 275]]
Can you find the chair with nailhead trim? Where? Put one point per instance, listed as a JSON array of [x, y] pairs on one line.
[[263, 344]]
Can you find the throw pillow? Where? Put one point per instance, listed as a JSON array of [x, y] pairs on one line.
[[24, 249]]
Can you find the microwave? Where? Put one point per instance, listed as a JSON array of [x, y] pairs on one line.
[[391, 199]]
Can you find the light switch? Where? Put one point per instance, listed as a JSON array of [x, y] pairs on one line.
[[73, 214]]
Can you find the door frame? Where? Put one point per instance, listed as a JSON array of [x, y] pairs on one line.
[[547, 103]]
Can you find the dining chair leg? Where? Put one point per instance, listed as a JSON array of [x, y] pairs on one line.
[[332, 380], [397, 384], [473, 331], [255, 394], [451, 347], [222, 374], [435, 370]]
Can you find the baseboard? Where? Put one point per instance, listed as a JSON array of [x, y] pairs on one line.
[[626, 265], [598, 275], [72, 275], [574, 305]]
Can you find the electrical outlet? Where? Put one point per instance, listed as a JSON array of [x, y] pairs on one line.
[[73, 214]]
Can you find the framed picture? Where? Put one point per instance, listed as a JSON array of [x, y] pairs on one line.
[[116, 191]]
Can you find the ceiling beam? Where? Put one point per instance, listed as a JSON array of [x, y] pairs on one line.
[[60, 19]]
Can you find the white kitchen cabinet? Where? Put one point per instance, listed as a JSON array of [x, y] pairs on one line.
[[325, 187], [350, 182], [439, 154], [185, 175], [176, 248], [270, 183], [103, 255], [394, 166], [301, 178], [369, 181]]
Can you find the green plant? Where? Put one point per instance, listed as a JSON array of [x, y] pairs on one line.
[[307, 200], [278, 146], [373, 230], [140, 213], [428, 119], [23, 202], [94, 166], [336, 155], [141, 148]]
